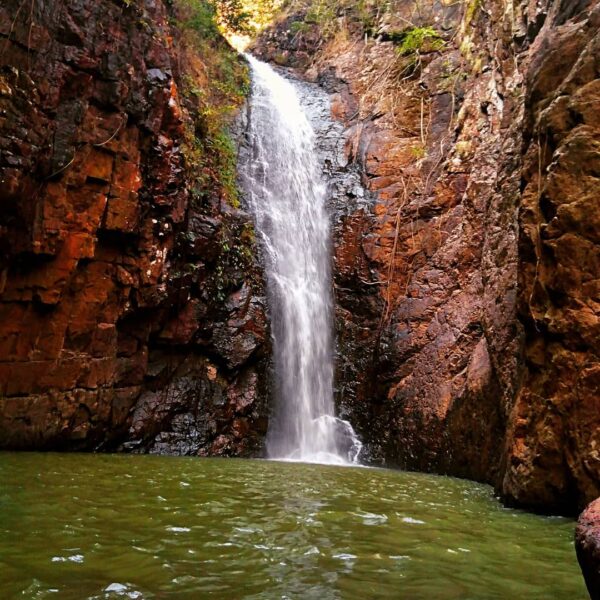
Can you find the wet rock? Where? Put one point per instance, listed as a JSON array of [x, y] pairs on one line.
[[243, 333], [467, 320], [113, 277], [587, 544], [200, 411]]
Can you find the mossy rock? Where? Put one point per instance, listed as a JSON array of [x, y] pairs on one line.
[[419, 40]]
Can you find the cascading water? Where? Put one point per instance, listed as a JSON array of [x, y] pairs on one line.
[[286, 193]]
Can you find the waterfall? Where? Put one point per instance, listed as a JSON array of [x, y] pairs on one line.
[[285, 191]]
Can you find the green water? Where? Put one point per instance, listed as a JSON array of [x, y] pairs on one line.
[[98, 526]]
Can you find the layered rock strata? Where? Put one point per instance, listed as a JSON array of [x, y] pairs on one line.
[[131, 308]]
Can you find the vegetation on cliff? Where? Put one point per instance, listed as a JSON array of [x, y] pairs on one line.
[[214, 88]]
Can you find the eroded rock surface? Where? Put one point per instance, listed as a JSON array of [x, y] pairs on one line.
[[465, 183], [131, 309], [467, 281]]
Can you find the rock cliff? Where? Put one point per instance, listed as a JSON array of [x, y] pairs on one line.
[[131, 307], [467, 287]]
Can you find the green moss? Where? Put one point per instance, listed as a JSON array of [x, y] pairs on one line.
[[299, 27], [467, 44], [418, 151], [215, 86], [221, 148], [472, 7], [212, 162], [420, 40]]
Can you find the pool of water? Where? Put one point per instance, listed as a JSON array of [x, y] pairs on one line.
[[78, 526]]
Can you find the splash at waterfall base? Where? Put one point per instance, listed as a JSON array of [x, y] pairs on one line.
[[286, 193], [344, 449]]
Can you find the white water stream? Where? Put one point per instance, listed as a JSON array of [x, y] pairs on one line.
[[286, 193]]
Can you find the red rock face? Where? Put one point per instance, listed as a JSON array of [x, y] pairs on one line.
[[467, 291], [587, 544], [554, 433], [111, 327], [466, 286]]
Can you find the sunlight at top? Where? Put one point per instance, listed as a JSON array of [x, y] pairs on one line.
[[241, 20]]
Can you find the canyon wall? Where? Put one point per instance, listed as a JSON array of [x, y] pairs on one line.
[[467, 284], [466, 219], [132, 313]]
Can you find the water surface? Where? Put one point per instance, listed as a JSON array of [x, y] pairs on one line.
[[101, 526]]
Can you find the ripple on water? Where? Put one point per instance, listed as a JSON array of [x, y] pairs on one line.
[[75, 558], [120, 589], [412, 521], [267, 530], [371, 518], [174, 529]]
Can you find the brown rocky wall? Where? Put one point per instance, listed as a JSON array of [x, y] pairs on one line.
[[131, 310], [467, 291], [466, 263]]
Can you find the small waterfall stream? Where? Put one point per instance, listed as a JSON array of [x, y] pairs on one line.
[[286, 193]]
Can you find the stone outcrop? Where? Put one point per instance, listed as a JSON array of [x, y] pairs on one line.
[[467, 286], [587, 544], [131, 308]]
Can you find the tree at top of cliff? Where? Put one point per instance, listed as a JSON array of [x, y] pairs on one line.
[[230, 17]]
